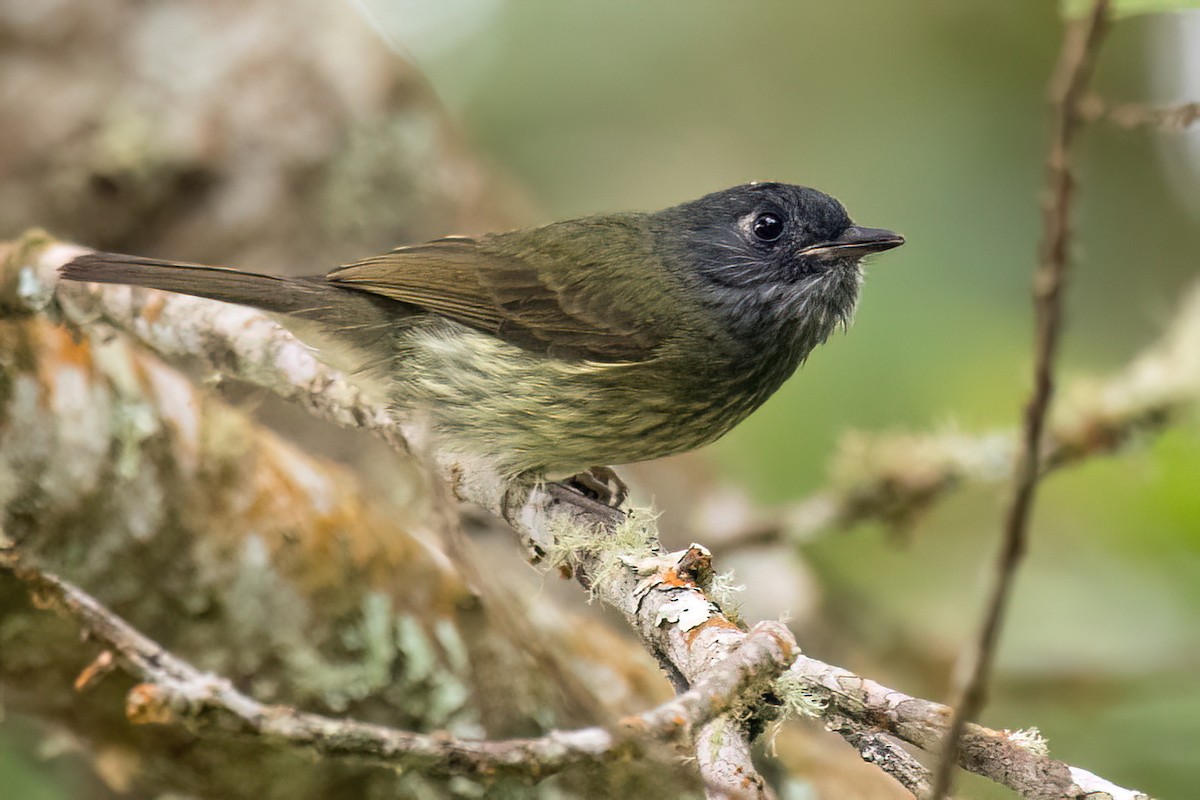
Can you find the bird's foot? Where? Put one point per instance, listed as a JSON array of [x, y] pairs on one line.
[[600, 484]]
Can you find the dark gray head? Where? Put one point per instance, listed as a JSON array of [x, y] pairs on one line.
[[763, 234], [779, 262]]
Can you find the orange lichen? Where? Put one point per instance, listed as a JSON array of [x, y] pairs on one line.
[[93, 672], [671, 577], [318, 530], [786, 644], [715, 621], [57, 346], [151, 310], [148, 704], [633, 723]]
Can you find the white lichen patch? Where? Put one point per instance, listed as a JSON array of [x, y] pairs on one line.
[[652, 564], [688, 609], [1096, 788], [142, 501], [174, 397], [33, 292], [299, 364], [82, 415], [21, 433]]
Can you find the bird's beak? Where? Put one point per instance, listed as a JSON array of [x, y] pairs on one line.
[[857, 241]]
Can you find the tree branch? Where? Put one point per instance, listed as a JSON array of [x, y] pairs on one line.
[[1129, 116], [172, 691], [1080, 45], [1017, 760], [877, 749]]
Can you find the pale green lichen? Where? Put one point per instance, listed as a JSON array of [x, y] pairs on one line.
[[455, 649], [1030, 739], [376, 642], [420, 659], [717, 731], [724, 592], [797, 698], [607, 554], [430, 670]]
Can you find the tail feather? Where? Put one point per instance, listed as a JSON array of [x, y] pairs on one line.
[[349, 327], [274, 293]]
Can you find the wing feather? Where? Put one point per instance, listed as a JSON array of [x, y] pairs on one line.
[[549, 299]]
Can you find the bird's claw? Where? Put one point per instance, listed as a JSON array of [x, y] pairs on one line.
[[600, 484]]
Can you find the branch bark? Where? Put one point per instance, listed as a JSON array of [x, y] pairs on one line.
[[1017, 760], [1129, 116]]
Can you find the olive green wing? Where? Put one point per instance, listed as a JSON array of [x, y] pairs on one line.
[[552, 298]]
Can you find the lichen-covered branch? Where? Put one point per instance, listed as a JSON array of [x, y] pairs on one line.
[[171, 691], [857, 706], [878, 749]]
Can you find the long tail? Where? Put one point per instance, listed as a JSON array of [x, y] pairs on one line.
[[275, 293], [349, 327]]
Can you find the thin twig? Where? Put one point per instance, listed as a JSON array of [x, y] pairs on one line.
[[1080, 44], [1129, 116], [878, 749]]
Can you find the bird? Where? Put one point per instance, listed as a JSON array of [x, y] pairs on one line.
[[550, 351]]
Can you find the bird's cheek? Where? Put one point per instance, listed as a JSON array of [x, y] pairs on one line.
[[802, 269]]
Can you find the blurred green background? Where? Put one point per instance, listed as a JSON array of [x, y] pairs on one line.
[[927, 118]]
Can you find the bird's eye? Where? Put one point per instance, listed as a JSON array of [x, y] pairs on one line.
[[767, 227]]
